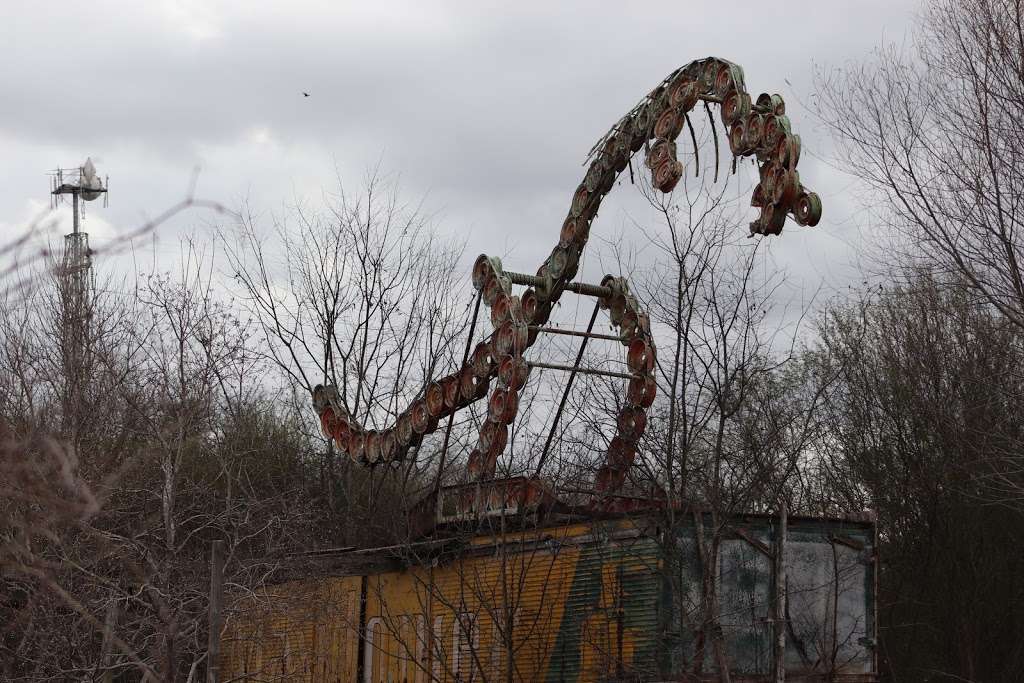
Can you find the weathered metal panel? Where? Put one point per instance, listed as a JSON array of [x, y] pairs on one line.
[[609, 627], [567, 604], [295, 631], [586, 602], [745, 577], [829, 592], [831, 585]]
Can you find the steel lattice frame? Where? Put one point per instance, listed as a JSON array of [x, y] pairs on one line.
[[756, 128]]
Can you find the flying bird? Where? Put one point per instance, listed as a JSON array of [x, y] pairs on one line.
[[305, 94]]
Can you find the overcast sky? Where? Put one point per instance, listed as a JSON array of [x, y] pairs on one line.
[[487, 110]]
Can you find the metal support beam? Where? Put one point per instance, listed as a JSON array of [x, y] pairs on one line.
[[451, 416], [779, 611], [585, 371], [577, 333], [568, 385], [576, 287]]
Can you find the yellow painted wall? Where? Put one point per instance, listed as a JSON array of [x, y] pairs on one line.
[[296, 631], [468, 606], [464, 619]]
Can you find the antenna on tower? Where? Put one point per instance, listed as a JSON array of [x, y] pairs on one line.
[[75, 282], [82, 183], [76, 276]]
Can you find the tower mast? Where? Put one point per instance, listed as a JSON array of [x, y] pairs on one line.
[[76, 284]]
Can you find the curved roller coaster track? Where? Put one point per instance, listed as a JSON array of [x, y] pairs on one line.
[[497, 369]]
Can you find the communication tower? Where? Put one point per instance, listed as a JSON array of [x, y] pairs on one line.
[[82, 183]]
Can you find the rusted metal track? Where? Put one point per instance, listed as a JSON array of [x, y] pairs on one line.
[[756, 128]]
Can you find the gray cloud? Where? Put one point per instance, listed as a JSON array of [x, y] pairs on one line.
[[487, 109]]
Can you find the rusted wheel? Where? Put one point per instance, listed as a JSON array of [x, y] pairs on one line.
[[768, 182], [787, 151], [450, 385], [642, 125], [640, 357], [669, 124], [775, 128], [388, 446], [808, 209], [481, 360], [513, 372], [373, 455], [661, 151], [472, 386], [558, 261], [723, 80], [420, 417], [493, 438], [735, 107], [787, 185], [773, 218], [708, 75], [738, 137], [668, 175], [481, 271], [579, 201], [357, 447], [510, 338], [683, 96], [642, 391], [753, 132], [528, 304], [404, 430], [569, 231], [502, 406], [757, 198], [592, 181], [632, 422], [435, 400]]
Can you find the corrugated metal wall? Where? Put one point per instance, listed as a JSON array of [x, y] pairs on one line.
[[296, 631], [566, 604], [593, 602]]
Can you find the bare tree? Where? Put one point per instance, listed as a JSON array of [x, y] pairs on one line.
[[933, 132], [732, 420], [111, 498], [919, 427], [364, 295]]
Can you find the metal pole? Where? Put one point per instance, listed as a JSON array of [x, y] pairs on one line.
[[577, 333], [451, 416], [527, 280], [74, 204], [568, 386], [779, 673], [586, 371], [216, 606]]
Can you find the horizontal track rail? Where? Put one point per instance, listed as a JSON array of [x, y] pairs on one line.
[[585, 371], [577, 333], [527, 280]]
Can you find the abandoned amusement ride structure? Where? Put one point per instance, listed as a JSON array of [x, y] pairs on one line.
[[602, 591]]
